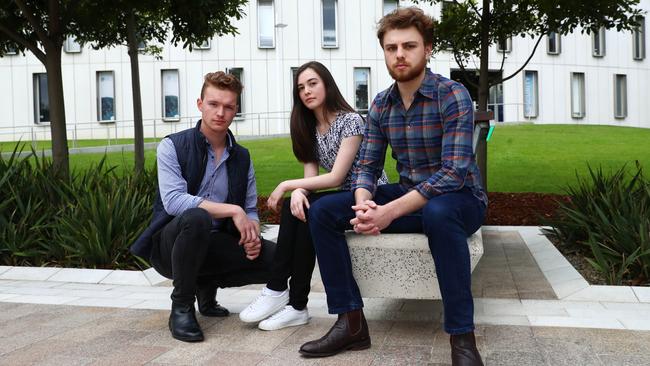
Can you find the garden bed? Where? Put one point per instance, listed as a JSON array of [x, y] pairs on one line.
[[509, 209]]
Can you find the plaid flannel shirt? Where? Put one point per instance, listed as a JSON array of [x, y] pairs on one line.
[[431, 142]]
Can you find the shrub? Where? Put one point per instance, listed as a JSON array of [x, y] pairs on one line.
[[86, 220], [608, 219]]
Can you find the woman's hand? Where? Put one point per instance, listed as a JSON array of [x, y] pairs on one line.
[[298, 203], [275, 197]]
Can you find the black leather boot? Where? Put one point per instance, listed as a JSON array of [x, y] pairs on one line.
[[350, 332], [463, 350], [183, 324], [208, 305]]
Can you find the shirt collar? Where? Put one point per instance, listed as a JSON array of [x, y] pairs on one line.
[[426, 89], [229, 142]]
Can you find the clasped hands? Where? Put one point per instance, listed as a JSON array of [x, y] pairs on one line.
[[370, 218], [249, 232]]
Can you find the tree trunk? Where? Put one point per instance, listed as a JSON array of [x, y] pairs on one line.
[[138, 134], [484, 90], [483, 80], [57, 111]]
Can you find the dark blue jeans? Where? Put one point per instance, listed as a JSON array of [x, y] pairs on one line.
[[447, 220]]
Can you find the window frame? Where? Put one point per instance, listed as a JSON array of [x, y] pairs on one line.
[[583, 106], [383, 6], [368, 86], [508, 48], [623, 96], [206, 45], [99, 97], [638, 40], [69, 43], [558, 43], [602, 42], [162, 94], [535, 90], [37, 96], [336, 25], [259, 26], [240, 99]]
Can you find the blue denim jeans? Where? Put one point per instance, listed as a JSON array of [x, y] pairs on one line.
[[447, 220]]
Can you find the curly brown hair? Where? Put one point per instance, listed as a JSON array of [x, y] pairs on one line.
[[402, 18], [221, 80]]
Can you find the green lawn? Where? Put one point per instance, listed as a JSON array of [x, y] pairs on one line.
[[521, 158]]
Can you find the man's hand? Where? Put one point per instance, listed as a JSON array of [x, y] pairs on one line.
[[371, 218], [253, 248], [275, 196], [298, 203], [249, 230]]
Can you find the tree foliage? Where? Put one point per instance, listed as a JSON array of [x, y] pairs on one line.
[[129, 22], [469, 28]]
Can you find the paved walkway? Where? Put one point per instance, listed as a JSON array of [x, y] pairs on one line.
[[531, 308]]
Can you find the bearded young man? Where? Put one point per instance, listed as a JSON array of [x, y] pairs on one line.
[[427, 120]]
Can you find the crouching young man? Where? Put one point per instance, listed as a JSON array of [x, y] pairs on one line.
[[205, 230], [427, 120]]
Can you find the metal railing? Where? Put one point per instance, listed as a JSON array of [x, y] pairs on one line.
[[257, 124]]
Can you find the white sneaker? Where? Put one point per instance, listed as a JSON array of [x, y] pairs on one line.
[[287, 317], [263, 307]]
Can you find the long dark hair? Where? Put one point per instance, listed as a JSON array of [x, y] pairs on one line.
[[303, 121]]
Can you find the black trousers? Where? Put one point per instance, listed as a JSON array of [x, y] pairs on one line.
[[294, 255], [189, 253]]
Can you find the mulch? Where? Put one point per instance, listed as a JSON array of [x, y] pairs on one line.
[[509, 209]]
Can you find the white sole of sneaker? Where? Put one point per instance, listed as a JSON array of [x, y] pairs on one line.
[[294, 323]]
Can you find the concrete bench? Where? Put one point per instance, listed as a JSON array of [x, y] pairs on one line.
[[399, 265]]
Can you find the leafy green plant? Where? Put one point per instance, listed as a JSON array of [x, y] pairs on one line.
[[608, 220], [85, 220]]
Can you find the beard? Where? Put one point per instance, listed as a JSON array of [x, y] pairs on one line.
[[408, 74]]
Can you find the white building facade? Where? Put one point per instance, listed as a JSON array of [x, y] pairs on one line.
[[602, 78]]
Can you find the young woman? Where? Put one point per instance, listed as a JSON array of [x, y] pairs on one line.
[[325, 132]]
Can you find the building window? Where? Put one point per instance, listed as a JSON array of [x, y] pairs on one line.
[[361, 89], [71, 45], [390, 5], [620, 96], [577, 95], [329, 39], [203, 46], [238, 72], [598, 42], [10, 50], [504, 45], [553, 44], [638, 37], [170, 95], [105, 96], [531, 100], [41, 99], [265, 24]]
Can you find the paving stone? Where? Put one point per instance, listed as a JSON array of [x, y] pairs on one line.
[[568, 352], [80, 275], [29, 273], [403, 355], [131, 355], [412, 334], [231, 358], [510, 338], [514, 358]]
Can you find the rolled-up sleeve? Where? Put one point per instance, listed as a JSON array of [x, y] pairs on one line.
[[172, 185], [457, 155], [372, 152], [251, 195]]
